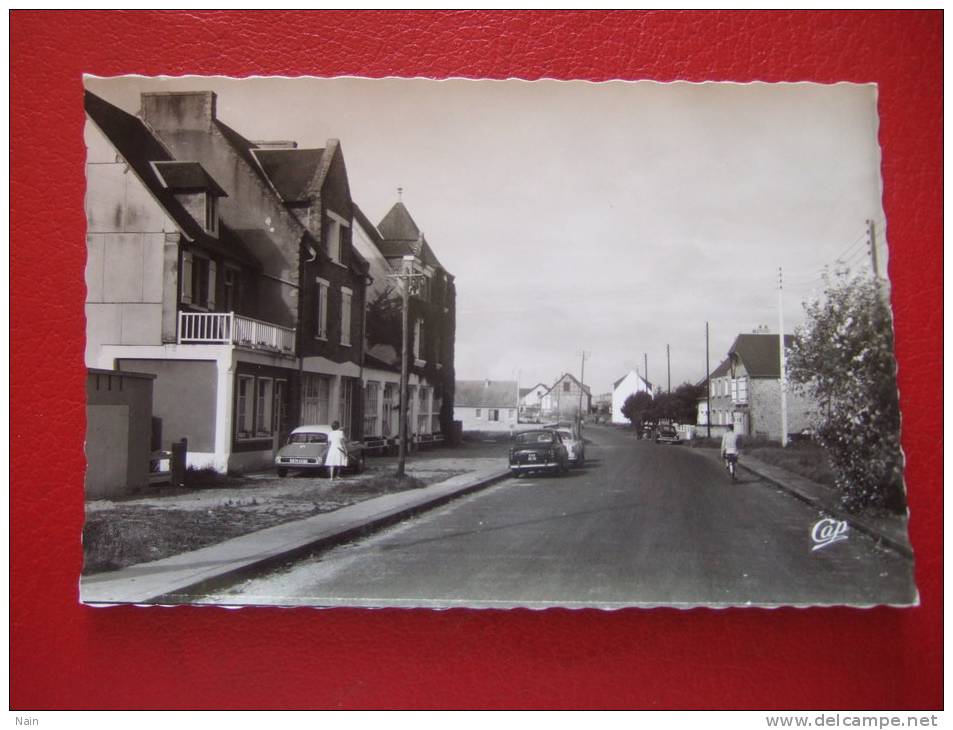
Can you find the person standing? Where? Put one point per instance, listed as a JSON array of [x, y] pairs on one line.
[[337, 449]]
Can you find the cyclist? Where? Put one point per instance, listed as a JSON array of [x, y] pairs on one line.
[[729, 447]]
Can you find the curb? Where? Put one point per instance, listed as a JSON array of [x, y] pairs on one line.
[[242, 568], [856, 522]]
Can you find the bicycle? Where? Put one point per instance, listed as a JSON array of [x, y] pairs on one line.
[[731, 464]]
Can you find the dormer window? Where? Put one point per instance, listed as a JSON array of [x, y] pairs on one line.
[[211, 214], [194, 189]]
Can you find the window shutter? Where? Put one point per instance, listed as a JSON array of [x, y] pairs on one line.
[[211, 286], [323, 323], [185, 278]]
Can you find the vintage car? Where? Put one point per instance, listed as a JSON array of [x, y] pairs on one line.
[[575, 446], [667, 435], [307, 448], [541, 450]]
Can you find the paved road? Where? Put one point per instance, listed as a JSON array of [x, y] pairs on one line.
[[640, 524]]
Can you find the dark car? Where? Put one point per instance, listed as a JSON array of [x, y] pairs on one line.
[[667, 435], [538, 451]]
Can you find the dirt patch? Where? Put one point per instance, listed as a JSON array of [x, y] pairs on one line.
[[156, 526]]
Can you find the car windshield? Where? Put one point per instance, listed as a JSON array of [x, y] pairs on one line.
[[536, 437], [309, 437]]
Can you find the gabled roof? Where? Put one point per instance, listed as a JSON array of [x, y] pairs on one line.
[[647, 383], [485, 394], [572, 377], [139, 147], [760, 354], [290, 171]]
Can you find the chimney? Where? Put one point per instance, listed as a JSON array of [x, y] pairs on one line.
[[179, 111]]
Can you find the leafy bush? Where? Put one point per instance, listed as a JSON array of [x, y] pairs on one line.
[[843, 357]]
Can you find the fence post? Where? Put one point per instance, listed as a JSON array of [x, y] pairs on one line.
[[180, 450]]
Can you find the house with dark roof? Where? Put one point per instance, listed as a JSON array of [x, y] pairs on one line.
[[746, 389], [431, 318], [563, 399], [429, 340], [175, 292], [628, 385], [225, 267], [487, 405]]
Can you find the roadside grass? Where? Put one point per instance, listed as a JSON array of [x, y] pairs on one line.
[[128, 534], [808, 460]]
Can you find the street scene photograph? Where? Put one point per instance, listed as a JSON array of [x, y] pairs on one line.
[[489, 344]]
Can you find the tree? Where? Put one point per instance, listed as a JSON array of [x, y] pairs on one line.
[[843, 357], [384, 319], [636, 407]]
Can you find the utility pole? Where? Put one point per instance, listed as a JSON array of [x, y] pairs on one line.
[[872, 245], [784, 385], [582, 380], [406, 277], [668, 359], [707, 383]]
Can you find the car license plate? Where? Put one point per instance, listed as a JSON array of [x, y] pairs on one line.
[[299, 461], [531, 457]]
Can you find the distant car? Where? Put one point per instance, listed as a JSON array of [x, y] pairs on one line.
[[307, 448], [541, 450], [575, 446], [667, 435]]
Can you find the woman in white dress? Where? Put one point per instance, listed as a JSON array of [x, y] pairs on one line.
[[337, 449]]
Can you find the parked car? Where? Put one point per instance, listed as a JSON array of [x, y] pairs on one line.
[[575, 446], [307, 448], [541, 450], [667, 435]]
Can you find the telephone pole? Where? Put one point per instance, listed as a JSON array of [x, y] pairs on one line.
[[707, 383], [784, 386], [872, 245], [668, 360], [582, 380], [406, 277]]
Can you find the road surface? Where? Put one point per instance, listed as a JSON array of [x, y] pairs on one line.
[[640, 524]]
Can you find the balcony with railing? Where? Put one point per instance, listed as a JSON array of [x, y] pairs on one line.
[[222, 328]]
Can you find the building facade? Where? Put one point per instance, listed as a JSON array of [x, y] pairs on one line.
[[487, 405], [231, 270]]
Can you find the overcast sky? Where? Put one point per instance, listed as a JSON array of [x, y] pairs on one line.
[[614, 218]]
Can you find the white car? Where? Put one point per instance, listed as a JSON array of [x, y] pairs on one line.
[[307, 448], [574, 445]]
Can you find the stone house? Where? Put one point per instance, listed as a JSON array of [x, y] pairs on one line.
[[746, 390], [563, 399]]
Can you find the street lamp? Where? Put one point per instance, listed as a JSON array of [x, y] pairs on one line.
[[407, 276]]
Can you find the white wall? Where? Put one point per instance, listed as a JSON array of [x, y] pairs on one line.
[[630, 385], [473, 422]]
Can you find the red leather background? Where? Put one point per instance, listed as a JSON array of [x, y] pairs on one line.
[[64, 655]]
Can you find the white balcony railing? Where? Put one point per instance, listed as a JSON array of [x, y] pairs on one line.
[[228, 327]]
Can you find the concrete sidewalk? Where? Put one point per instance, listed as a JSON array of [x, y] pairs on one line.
[[163, 580], [891, 530]]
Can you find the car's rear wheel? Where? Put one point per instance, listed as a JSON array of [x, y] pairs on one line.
[[282, 472]]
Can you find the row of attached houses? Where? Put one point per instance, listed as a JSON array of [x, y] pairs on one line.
[[745, 390], [244, 277]]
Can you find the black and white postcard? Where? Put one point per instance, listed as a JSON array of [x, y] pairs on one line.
[[467, 343]]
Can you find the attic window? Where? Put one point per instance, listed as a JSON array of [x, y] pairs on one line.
[[211, 214]]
